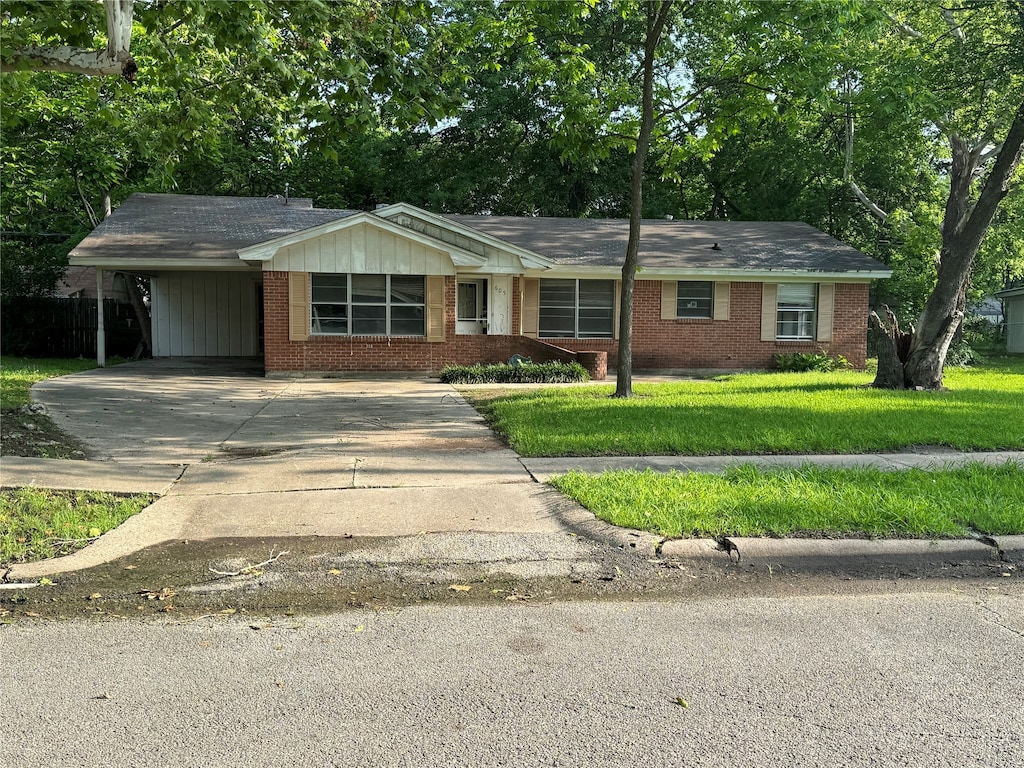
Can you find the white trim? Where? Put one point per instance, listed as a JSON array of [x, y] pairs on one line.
[[730, 275], [530, 259], [191, 265], [266, 251]]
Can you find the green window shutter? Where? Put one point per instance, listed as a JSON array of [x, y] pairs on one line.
[[298, 306]]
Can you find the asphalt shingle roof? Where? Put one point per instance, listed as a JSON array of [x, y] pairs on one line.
[[760, 245], [154, 226], [162, 226]]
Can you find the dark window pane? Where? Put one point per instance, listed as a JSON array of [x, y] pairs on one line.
[[330, 325], [408, 289], [596, 323], [369, 320], [408, 321], [693, 298], [557, 322], [330, 288], [597, 293], [369, 289], [557, 293]]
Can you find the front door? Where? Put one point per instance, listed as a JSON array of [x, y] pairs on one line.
[[471, 307]]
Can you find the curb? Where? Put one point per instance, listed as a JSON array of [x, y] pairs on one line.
[[795, 554]]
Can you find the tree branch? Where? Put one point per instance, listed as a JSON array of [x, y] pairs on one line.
[[114, 60], [954, 27]]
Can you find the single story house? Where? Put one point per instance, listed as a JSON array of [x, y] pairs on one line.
[[1013, 303], [403, 289]]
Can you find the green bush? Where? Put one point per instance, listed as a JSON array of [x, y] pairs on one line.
[[796, 362], [524, 373]]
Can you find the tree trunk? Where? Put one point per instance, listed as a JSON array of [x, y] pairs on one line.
[[657, 16], [115, 59], [141, 311], [963, 228]]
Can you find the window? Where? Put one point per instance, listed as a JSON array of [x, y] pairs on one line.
[[694, 298], [369, 305], [795, 311], [581, 309]]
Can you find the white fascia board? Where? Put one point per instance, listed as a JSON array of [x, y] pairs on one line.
[[267, 250], [530, 259], [197, 265], [735, 275]]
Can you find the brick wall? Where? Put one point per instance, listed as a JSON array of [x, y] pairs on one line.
[[657, 343]]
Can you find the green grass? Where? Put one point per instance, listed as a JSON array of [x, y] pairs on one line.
[[810, 500], [764, 413], [36, 524], [18, 374]]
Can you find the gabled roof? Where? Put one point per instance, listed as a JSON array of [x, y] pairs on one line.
[[672, 245], [191, 231], [155, 227]]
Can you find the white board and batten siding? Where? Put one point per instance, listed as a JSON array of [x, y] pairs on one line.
[[364, 250], [205, 314]]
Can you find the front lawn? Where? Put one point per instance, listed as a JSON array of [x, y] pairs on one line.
[[36, 524], [32, 434], [764, 413], [18, 374], [811, 500]]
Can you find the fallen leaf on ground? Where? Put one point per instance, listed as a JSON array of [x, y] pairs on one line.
[[683, 703], [94, 596], [460, 587], [334, 572]]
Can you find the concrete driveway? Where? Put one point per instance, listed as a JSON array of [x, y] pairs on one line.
[[294, 457]]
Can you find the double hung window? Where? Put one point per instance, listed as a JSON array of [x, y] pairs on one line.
[[694, 298], [796, 307], [580, 309], [368, 305]]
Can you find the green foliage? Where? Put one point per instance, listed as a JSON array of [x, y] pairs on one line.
[[36, 524], [747, 501], [32, 266], [768, 413], [554, 372], [796, 362]]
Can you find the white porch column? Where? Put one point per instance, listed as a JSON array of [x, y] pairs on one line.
[[101, 334]]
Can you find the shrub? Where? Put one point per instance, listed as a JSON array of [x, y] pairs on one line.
[[809, 361], [524, 373]]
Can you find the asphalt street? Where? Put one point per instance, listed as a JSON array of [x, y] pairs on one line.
[[861, 678]]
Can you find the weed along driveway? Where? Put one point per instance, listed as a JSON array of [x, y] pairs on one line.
[[296, 457]]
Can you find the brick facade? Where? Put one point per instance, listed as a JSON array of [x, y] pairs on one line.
[[657, 343]]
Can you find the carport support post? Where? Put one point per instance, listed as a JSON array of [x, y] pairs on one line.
[[101, 333]]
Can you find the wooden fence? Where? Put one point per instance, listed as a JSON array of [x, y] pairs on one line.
[[65, 327]]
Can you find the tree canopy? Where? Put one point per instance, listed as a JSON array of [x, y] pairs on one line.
[[848, 115]]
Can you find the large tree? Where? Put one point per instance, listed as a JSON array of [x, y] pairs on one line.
[[962, 76]]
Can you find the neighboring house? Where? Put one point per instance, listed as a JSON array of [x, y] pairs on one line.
[[989, 308], [402, 289], [80, 283], [1013, 302]]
